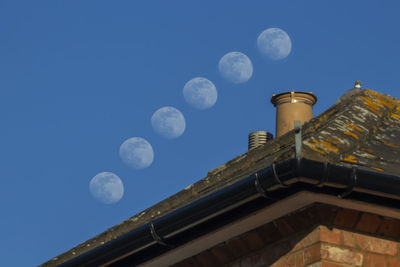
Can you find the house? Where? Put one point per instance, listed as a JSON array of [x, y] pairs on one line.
[[324, 194]]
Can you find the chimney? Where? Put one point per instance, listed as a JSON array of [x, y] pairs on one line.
[[259, 138], [291, 106]]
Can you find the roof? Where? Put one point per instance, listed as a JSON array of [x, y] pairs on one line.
[[362, 130]]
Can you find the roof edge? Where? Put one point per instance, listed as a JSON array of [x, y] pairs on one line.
[[159, 236]]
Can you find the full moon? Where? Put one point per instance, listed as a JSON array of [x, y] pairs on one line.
[[274, 43], [106, 187], [137, 153], [235, 67], [168, 122], [200, 92]]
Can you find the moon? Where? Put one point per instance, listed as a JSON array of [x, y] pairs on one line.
[[137, 153], [200, 93], [274, 43], [168, 122], [106, 187], [236, 67]]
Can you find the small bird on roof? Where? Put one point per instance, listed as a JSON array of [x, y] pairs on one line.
[[355, 90]]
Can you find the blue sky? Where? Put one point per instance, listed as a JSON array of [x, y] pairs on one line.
[[78, 78]]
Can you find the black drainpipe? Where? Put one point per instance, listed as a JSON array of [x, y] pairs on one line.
[[238, 200]]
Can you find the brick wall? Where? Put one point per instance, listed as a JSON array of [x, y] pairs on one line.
[[327, 248], [319, 235]]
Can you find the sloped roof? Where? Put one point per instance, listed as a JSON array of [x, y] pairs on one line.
[[362, 130], [365, 131]]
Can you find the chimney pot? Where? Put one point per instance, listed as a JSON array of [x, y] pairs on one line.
[[291, 106]]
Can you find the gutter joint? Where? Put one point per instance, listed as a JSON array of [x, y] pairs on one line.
[[351, 185]]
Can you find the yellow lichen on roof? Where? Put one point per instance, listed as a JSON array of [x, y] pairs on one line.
[[383, 100], [370, 114], [351, 125], [371, 104], [397, 109], [396, 113], [351, 134], [351, 159], [375, 101], [390, 144], [323, 147], [395, 116]]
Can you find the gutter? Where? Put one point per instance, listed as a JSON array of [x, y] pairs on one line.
[[236, 201]]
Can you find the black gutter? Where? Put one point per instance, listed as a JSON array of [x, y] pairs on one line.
[[238, 200]]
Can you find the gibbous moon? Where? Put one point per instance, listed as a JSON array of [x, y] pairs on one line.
[[274, 43], [200, 92], [168, 122], [236, 67], [137, 153], [106, 187]]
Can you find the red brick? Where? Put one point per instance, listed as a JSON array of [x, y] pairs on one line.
[[374, 260], [330, 236], [348, 239], [287, 261], [346, 218], [377, 245], [312, 254], [368, 223], [321, 233], [394, 262], [341, 255], [299, 259], [308, 240], [390, 227]]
